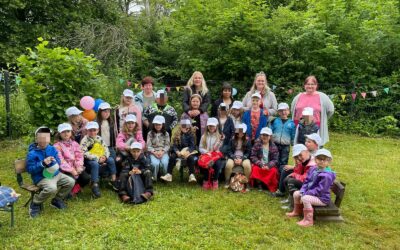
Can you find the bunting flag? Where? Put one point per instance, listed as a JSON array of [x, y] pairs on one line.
[[121, 81], [136, 85], [363, 94], [332, 96], [386, 90], [273, 87], [18, 80], [178, 88], [373, 93], [354, 95], [168, 89], [129, 83], [343, 97], [290, 91]]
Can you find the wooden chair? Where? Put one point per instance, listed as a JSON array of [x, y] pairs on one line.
[[9, 208], [20, 169], [332, 212]]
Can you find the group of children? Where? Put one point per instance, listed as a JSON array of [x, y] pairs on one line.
[[248, 147]]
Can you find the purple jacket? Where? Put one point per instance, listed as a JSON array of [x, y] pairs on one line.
[[318, 183]]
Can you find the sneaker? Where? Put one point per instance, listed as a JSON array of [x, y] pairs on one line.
[[146, 195], [58, 203], [192, 178], [167, 177], [96, 191], [178, 164], [278, 193], [34, 209], [285, 207], [226, 186], [125, 198], [285, 201], [114, 185], [214, 185], [206, 185]]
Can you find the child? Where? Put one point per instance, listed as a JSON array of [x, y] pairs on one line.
[[209, 161], [127, 106], [183, 147], [283, 129], [43, 165], [107, 129], [97, 158], [71, 157], [313, 143], [199, 121], [264, 158], [129, 133], [226, 126], [236, 112], [238, 153], [158, 144], [306, 126], [136, 164], [254, 118], [315, 190], [77, 122], [147, 96]]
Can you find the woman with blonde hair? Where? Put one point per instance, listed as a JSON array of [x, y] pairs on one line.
[[196, 85], [268, 100]]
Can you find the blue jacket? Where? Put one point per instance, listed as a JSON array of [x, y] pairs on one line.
[[283, 133], [34, 160], [262, 123]]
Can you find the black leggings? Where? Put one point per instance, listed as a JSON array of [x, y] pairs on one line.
[[190, 162]]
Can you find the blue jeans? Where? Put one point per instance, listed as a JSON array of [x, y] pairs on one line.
[[113, 154], [94, 168], [156, 164]]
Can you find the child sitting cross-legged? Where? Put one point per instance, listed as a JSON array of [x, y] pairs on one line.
[[136, 185], [315, 190]]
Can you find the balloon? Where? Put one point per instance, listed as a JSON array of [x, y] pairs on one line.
[[87, 102], [234, 91], [90, 115], [97, 104]]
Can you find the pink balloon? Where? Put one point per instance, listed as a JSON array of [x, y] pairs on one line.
[[87, 102]]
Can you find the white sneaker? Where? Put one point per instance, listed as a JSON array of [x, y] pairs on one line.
[[192, 178], [178, 164], [167, 177]]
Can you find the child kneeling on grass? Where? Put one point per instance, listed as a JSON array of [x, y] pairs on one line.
[[43, 165], [315, 190], [136, 177], [97, 158]]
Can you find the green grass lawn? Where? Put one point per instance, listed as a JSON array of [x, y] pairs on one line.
[[184, 216]]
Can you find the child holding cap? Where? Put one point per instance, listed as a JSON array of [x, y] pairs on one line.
[[306, 126], [225, 126], [264, 158], [313, 143], [183, 148], [136, 164], [127, 106], [97, 158], [254, 118], [107, 130], [158, 144], [236, 112], [147, 96], [42, 163], [71, 157], [199, 121], [77, 122], [316, 189], [226, 98]]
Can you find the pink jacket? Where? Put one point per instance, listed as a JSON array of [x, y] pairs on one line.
[[122, 138], [70, 155]]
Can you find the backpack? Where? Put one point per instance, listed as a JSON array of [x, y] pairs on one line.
[[238, 183], [135, 188]]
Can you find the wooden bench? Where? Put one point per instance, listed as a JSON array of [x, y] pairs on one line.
[[9, 208], [331, 212], [20, 169]]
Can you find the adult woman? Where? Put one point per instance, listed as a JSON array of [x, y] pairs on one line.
[[196, 85], [147, 96], [320, 102], [268, 100], [226, 97]]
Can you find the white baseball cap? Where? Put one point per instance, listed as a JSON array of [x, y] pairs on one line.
[[73, 111], [266, 131], [185, 122], [159, 92], [323, 151], [212, 121], [283, 106], [237, 105], [256, 95], [242, 126], [222, 104], [104, 105], [130, 118], [63, 127], [91, 125], [298, 148], [315, 137], [136, 145], [308, 111], [128, 93], [158, 119]]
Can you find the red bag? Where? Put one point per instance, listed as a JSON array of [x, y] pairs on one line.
[[206, 158]]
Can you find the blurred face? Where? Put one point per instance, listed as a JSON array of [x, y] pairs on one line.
[[265, 138], [222, 112], [162, 101], [239, 133], [311, 145], [304, 155], [105, 114], [323, 161], [128, 100], [255, 102], [158, 127], [197, 80], [135, 153], [260, 83], [75, 119], [212, 129], [66, 135], [195, 103], [42, 139], [185, 128], [310, 87], [92, 132], [296, 160], [226, 93], [148, 88], [131, 125], [235, 112], [283, 114], [308, 118]]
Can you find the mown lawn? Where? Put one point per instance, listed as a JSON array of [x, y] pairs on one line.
[[184, 216]]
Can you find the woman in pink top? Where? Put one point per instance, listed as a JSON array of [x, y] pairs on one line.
[[320, 102]]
